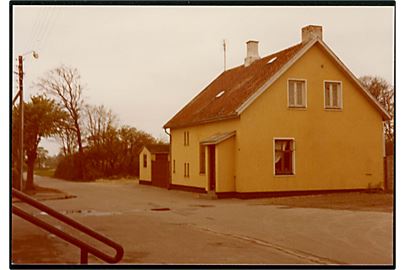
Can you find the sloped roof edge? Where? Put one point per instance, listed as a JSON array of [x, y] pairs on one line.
[[218, 138], [382, 110], [294, 59], [216, 119]]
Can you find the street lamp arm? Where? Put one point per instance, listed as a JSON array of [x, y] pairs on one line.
[[34, 54]]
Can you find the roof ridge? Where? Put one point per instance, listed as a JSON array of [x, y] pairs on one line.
[[240, 79], [273, 54]]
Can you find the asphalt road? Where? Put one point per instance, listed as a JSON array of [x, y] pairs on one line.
[[193, 230]]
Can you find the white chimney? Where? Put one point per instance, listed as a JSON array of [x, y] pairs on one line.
[[252, 52], [311, 32]]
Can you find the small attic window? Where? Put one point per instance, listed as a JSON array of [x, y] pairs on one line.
[[220, 94], [272, 60]]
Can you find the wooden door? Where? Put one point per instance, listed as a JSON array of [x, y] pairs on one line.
[[211, 169], [160, 171]]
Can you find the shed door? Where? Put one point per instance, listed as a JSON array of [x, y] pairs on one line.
[[160, 171]]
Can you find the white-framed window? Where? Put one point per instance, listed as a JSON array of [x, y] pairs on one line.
[[333, 94], [297, 93], [284, 156]]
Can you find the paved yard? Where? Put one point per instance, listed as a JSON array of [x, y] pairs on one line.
[[194, 230]]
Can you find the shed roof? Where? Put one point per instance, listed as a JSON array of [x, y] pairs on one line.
[[158, 148]]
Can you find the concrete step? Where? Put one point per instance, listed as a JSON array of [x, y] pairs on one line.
[[211, 195]]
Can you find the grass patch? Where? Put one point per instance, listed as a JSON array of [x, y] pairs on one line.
[[45, 172], [360, 201]]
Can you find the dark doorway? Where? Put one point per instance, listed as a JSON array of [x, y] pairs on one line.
[[160, 171], [211, 164]]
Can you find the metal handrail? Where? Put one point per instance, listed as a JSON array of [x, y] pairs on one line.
[[85, 248]]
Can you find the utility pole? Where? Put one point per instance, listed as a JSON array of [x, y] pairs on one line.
[[21, 147], [20, 157]]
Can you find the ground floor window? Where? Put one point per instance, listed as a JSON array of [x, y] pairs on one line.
[[186, 169], [284, 156]]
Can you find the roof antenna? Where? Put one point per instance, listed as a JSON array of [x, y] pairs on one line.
[[224, 45]]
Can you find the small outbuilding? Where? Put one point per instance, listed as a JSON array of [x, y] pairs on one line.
[[154, 162]]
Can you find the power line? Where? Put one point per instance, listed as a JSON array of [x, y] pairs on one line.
[[40, 28], [49, 29], [45, 27], [35, 28]]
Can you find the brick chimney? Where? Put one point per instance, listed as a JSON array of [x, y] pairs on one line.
[[311, 32], [252, 52]]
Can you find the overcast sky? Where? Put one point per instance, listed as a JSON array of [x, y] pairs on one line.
[[146, 63]]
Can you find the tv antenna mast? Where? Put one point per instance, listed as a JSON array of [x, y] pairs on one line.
[[224, 45]]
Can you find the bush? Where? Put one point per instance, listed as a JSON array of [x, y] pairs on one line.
[[68, 168]]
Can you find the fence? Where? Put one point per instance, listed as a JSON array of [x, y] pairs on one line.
[[389, 173]]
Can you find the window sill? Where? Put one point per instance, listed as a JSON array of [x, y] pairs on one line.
[[284, 175], [297, 108], [333, 109]]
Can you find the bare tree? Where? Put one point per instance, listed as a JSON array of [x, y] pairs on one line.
[[384, 94], [67, 137], [65, 84], [99, 120]]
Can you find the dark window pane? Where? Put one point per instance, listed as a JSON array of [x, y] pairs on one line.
[[291, 100]]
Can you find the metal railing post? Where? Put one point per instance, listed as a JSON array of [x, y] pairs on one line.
[[85, 248], [84, 256]]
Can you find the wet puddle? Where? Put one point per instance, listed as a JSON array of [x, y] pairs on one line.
[[201, 205], [84, 212], [160, 209]]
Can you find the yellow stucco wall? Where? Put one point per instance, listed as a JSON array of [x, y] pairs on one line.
[[145, 174], [225, 166], [191, 153], [333, 149]]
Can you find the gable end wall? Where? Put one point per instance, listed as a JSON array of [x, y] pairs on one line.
[[334, 149]]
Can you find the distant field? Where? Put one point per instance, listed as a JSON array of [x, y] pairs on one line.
[[44, 172]]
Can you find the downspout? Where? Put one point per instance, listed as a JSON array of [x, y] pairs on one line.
[[170, 158]]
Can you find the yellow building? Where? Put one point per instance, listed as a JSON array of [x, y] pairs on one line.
[[296, 120]]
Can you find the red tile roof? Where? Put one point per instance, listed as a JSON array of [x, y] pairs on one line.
[[238, 85]]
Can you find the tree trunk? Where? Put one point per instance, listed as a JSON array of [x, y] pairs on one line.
[[30, 173], [80, 156]]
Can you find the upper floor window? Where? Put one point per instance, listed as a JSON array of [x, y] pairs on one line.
[[284, 156], [186, 138], [333, 95], [297, 93]]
